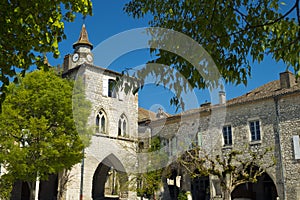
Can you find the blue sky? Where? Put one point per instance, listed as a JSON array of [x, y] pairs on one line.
[[109, 19]]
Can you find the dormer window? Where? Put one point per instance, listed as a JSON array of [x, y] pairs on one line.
[[101, 122]]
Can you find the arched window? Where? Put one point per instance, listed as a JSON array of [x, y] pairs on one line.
[[122, 126], [101, 121]]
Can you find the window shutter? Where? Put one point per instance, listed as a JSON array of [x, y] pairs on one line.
[[121, 94], [105, 87], [199, 139], [296, 146]]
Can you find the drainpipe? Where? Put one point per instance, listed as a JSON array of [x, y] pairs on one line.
[[277, 135], [81, 177]]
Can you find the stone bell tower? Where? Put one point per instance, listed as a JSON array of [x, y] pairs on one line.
[[110, 158], [82, 52]]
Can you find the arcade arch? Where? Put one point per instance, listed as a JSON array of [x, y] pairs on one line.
[[110, 179]]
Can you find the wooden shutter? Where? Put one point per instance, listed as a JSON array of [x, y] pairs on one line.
[[296, 146], [105, 87]]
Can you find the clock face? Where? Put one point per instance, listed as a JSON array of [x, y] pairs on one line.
[[75, 57], [89, 58]]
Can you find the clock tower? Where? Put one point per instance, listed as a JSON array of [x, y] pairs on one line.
[[82, 52]]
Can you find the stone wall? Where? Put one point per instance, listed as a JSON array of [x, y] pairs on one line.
[[117, 150], [279, 120], [289, 112]]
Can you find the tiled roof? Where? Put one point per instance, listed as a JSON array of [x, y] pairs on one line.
[[144, 115], [267, 90]]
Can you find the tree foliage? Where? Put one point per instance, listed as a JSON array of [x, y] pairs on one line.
[[231, 168], [234, 33], [37, 128], [31, 28]]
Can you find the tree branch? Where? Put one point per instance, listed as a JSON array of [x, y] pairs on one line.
[[248, 27]]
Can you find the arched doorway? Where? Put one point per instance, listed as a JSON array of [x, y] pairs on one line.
[[110, 180], [200, 188], [262, 190], [173, 185], [20, 191], [48, 188]]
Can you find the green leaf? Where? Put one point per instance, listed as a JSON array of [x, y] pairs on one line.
[[17, 9]]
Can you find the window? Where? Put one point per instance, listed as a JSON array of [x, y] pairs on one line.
[[254, 130], [111, 88], [227, 135], [173, 146], [296, 144], [141, 145], [199, 139], [108, 89], [196, 140], [101, 122], [122, 126], [165, 144]]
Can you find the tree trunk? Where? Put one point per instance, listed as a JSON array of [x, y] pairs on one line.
[[227, 195], [227, 189], [64, 178], [32, 190]]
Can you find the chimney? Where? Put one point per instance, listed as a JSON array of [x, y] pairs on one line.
[[160, 113], [206, 104], [222, 97], [287, 79]]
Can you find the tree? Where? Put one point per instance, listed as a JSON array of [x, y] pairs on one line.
[[150, 182], [234, 33], [30, 29], [231, 168], [38, 134]]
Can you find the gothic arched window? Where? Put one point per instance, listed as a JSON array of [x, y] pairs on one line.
[[122, 126], [101, 122]]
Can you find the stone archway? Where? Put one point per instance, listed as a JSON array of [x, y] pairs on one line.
[[110, 180], [263, 189]]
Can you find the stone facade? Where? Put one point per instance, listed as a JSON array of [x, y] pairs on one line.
[[120, 127], [272, 111], [274, 106], [114, 118]]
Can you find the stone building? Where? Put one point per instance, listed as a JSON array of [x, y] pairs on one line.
[[111, 154], [268, 116]]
